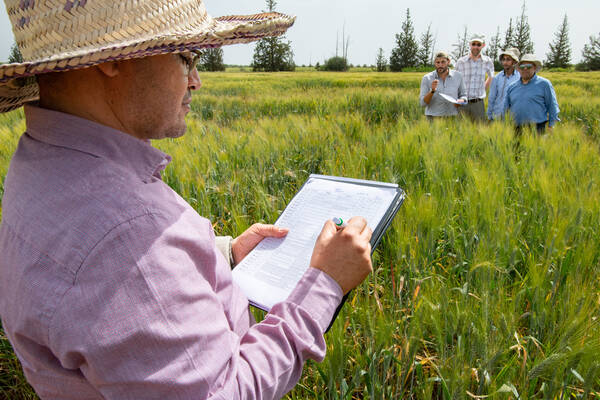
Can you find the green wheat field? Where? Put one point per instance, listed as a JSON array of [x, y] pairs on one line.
[[486, 285]]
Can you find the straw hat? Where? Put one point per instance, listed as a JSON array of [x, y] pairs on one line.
[[513, 53], [531, 59], [62, 35]]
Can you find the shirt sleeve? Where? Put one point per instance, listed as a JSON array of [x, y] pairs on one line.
[[492, 98], [490, 68], [507, 98], [462, 92], [459, 65], [425, 88], [551, 104], [223, 244], [153, 314]]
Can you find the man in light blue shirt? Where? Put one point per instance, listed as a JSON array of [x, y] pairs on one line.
[[509, 59], [532, 100], [442, 81]]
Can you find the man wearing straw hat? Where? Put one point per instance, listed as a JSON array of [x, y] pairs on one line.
[[531, 99], [509, 59], [111, 285], [474, 67]]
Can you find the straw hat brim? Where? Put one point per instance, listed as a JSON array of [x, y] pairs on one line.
[[510, 54], [537, 63], [233, 29]]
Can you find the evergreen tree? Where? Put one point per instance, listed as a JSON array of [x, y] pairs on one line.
[[522, 36], [15, 55], [211, 60], [509, 36], [560, 50], [405, 54], [273, 53], [493, 48], [426, 47], [381, 61], [461, 47], [591, 54]]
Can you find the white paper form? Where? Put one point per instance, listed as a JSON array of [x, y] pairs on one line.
[[272, 270], [450, 99]]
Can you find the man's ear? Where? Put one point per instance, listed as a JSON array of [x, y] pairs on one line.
[[110, 69]]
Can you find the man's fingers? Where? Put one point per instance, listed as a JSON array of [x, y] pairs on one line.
[[267, 230], [357, 222], [366, 234]]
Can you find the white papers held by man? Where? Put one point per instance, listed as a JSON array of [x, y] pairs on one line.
[[272, 270]]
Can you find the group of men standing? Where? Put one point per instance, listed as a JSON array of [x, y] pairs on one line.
[[517, 89]]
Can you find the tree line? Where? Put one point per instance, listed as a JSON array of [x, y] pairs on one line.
[[411, 53]]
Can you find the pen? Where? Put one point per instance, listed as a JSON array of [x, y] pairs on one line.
[[339, 223]]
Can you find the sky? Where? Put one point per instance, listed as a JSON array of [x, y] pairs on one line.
[[371, 24]]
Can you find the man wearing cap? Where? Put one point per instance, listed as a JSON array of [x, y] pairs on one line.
[[509, 59], [474, 67], [531, 99], [111, 285], [441, 81]]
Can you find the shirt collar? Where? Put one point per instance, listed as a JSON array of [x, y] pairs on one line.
[[68, 131], [450, 73], [533, 79]]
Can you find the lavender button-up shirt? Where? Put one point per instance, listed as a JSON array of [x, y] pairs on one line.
[[111, 285]]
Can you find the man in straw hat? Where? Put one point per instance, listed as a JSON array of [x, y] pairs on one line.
[[474, 67], [442, 81], [111, 285], [531, 99], [509, 59]]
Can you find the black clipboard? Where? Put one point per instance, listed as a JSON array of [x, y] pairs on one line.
[[379, 229]]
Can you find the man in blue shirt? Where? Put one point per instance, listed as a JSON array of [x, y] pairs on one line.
[[531, 99], [509, 59]]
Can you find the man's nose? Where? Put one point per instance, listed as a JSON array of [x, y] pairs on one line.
[[194, 82]]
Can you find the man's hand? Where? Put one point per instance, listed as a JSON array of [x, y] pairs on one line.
[[344, 254], [243, 244], [459, 103], [434, 84]]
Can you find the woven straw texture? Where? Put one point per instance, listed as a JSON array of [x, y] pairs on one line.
[[59, 35]]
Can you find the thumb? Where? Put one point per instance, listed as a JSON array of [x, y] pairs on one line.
[[328, 231]]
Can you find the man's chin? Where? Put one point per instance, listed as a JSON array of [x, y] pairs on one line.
[[176, 131]]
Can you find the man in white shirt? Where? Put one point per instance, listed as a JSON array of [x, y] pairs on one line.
[[474, 67]]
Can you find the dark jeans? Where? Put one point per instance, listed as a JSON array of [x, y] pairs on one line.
[[540, 128]]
